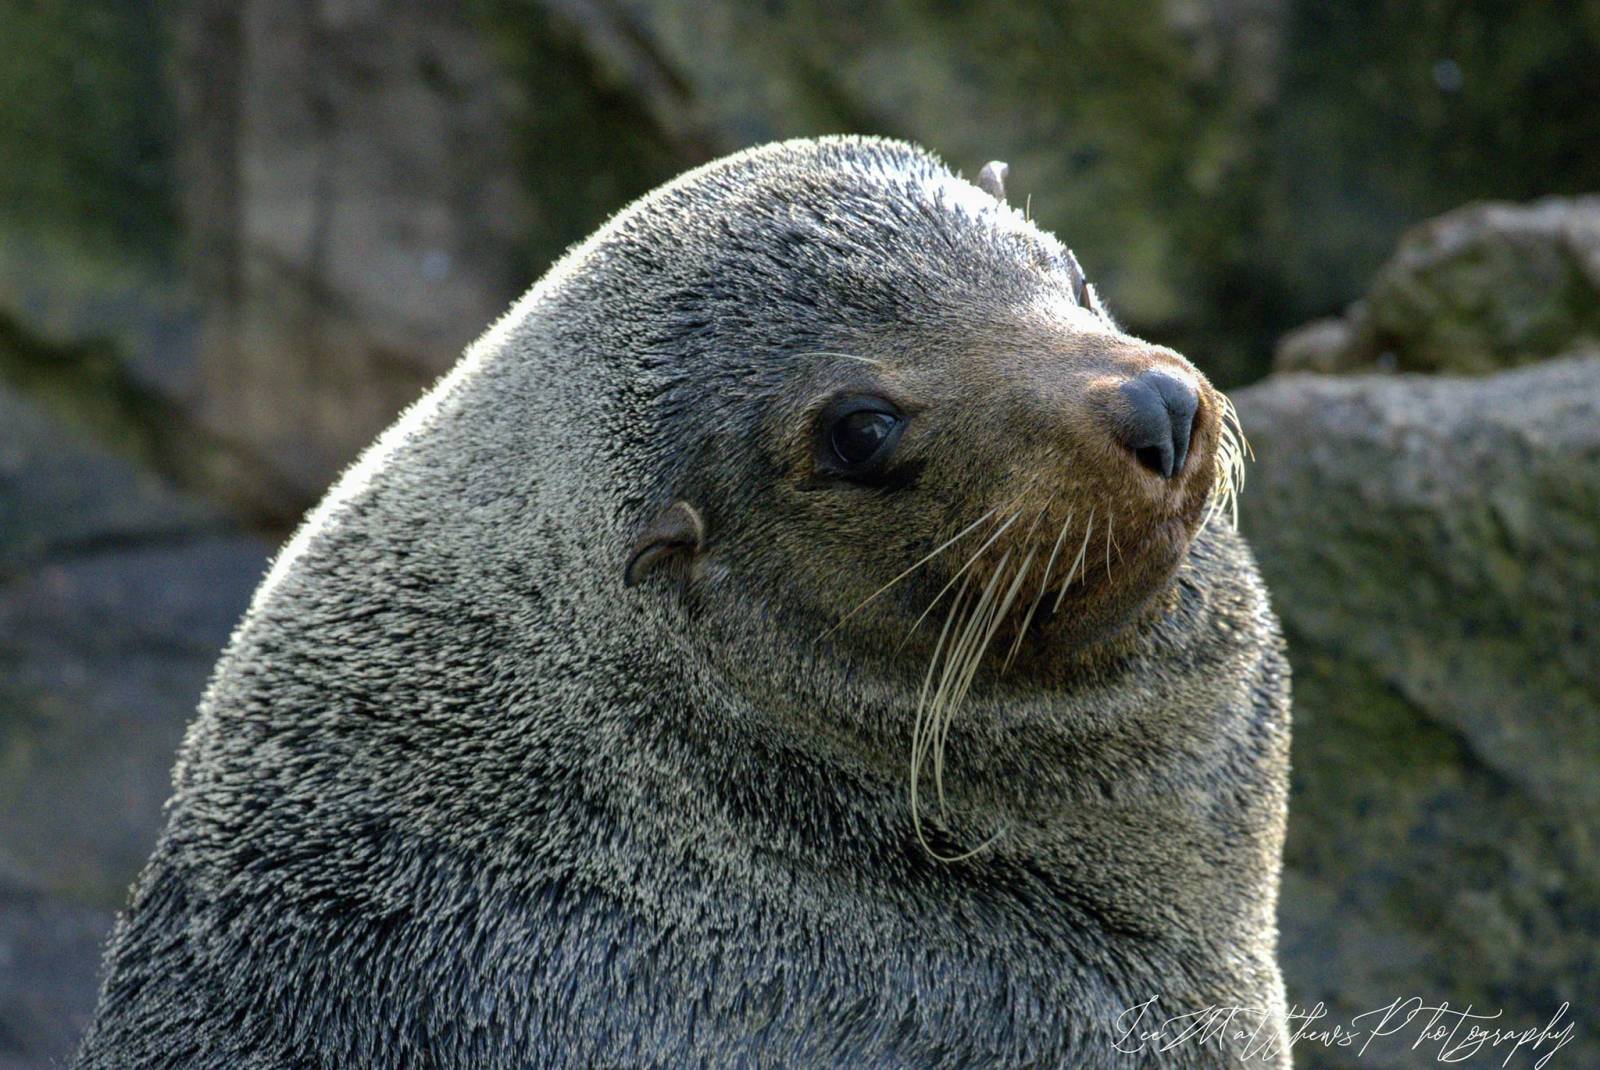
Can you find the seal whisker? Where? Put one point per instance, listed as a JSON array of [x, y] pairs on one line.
[[1110, 518], [842, 356], [991, 627], [954, 667], [923, 561], [985, 624], [964, 855], [961, 665], [1228, 469], [1044, 585], [968, 563], [924, 723], [918, 736], [943, 590], [1073, 571]]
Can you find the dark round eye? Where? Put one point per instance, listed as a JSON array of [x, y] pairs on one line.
[[859, 436], [854, 438]]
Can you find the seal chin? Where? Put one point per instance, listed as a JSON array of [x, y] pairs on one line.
[[1129, 571]]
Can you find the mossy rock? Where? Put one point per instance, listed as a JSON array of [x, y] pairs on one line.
[[1478, 290], [1433, 548]]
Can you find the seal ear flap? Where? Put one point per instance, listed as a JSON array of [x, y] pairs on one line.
[[992, 179], [678, 531]]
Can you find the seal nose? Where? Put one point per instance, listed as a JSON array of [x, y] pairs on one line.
[[1160, 417]]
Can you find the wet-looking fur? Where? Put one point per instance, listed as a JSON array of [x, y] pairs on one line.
[[602, 717]]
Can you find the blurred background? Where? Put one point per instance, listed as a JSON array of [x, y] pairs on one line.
[[237, 237]]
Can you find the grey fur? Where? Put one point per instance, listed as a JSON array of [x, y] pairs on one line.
[[457, 798]]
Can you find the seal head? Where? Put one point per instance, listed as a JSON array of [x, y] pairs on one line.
[[887, 364]]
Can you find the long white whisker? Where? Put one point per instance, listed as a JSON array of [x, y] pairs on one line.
[[842, 356], [922, 727], [969, 630], [929, 557], [1228, 476], [931, 730], [1110, 516], [979, 553], [918, 743], [1044, 585], [1073, 571], [955, 665], [992, 626], [990, 616], [988, 620]]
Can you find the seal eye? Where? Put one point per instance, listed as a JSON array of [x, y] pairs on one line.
[[859, 436], [855, 437]]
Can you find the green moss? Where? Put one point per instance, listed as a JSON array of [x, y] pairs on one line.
[[585, 144], [1416, 835], [88, 387], [86, 126]]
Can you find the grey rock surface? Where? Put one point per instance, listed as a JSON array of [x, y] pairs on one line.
[[49, 969], [116, 594], [1432, 545], [354, 217]]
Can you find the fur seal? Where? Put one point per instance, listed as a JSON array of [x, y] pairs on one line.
[[804, 632]]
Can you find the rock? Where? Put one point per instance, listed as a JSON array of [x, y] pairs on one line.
[[367, 187], [1325, 345], [61, 496], [1477, 290], [88, 235], [1433, 548], [49, 967], [354, 217], [107, 649], [116, 595]]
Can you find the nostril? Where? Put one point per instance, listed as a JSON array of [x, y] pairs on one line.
[[1159, 421], [1151, 457]]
